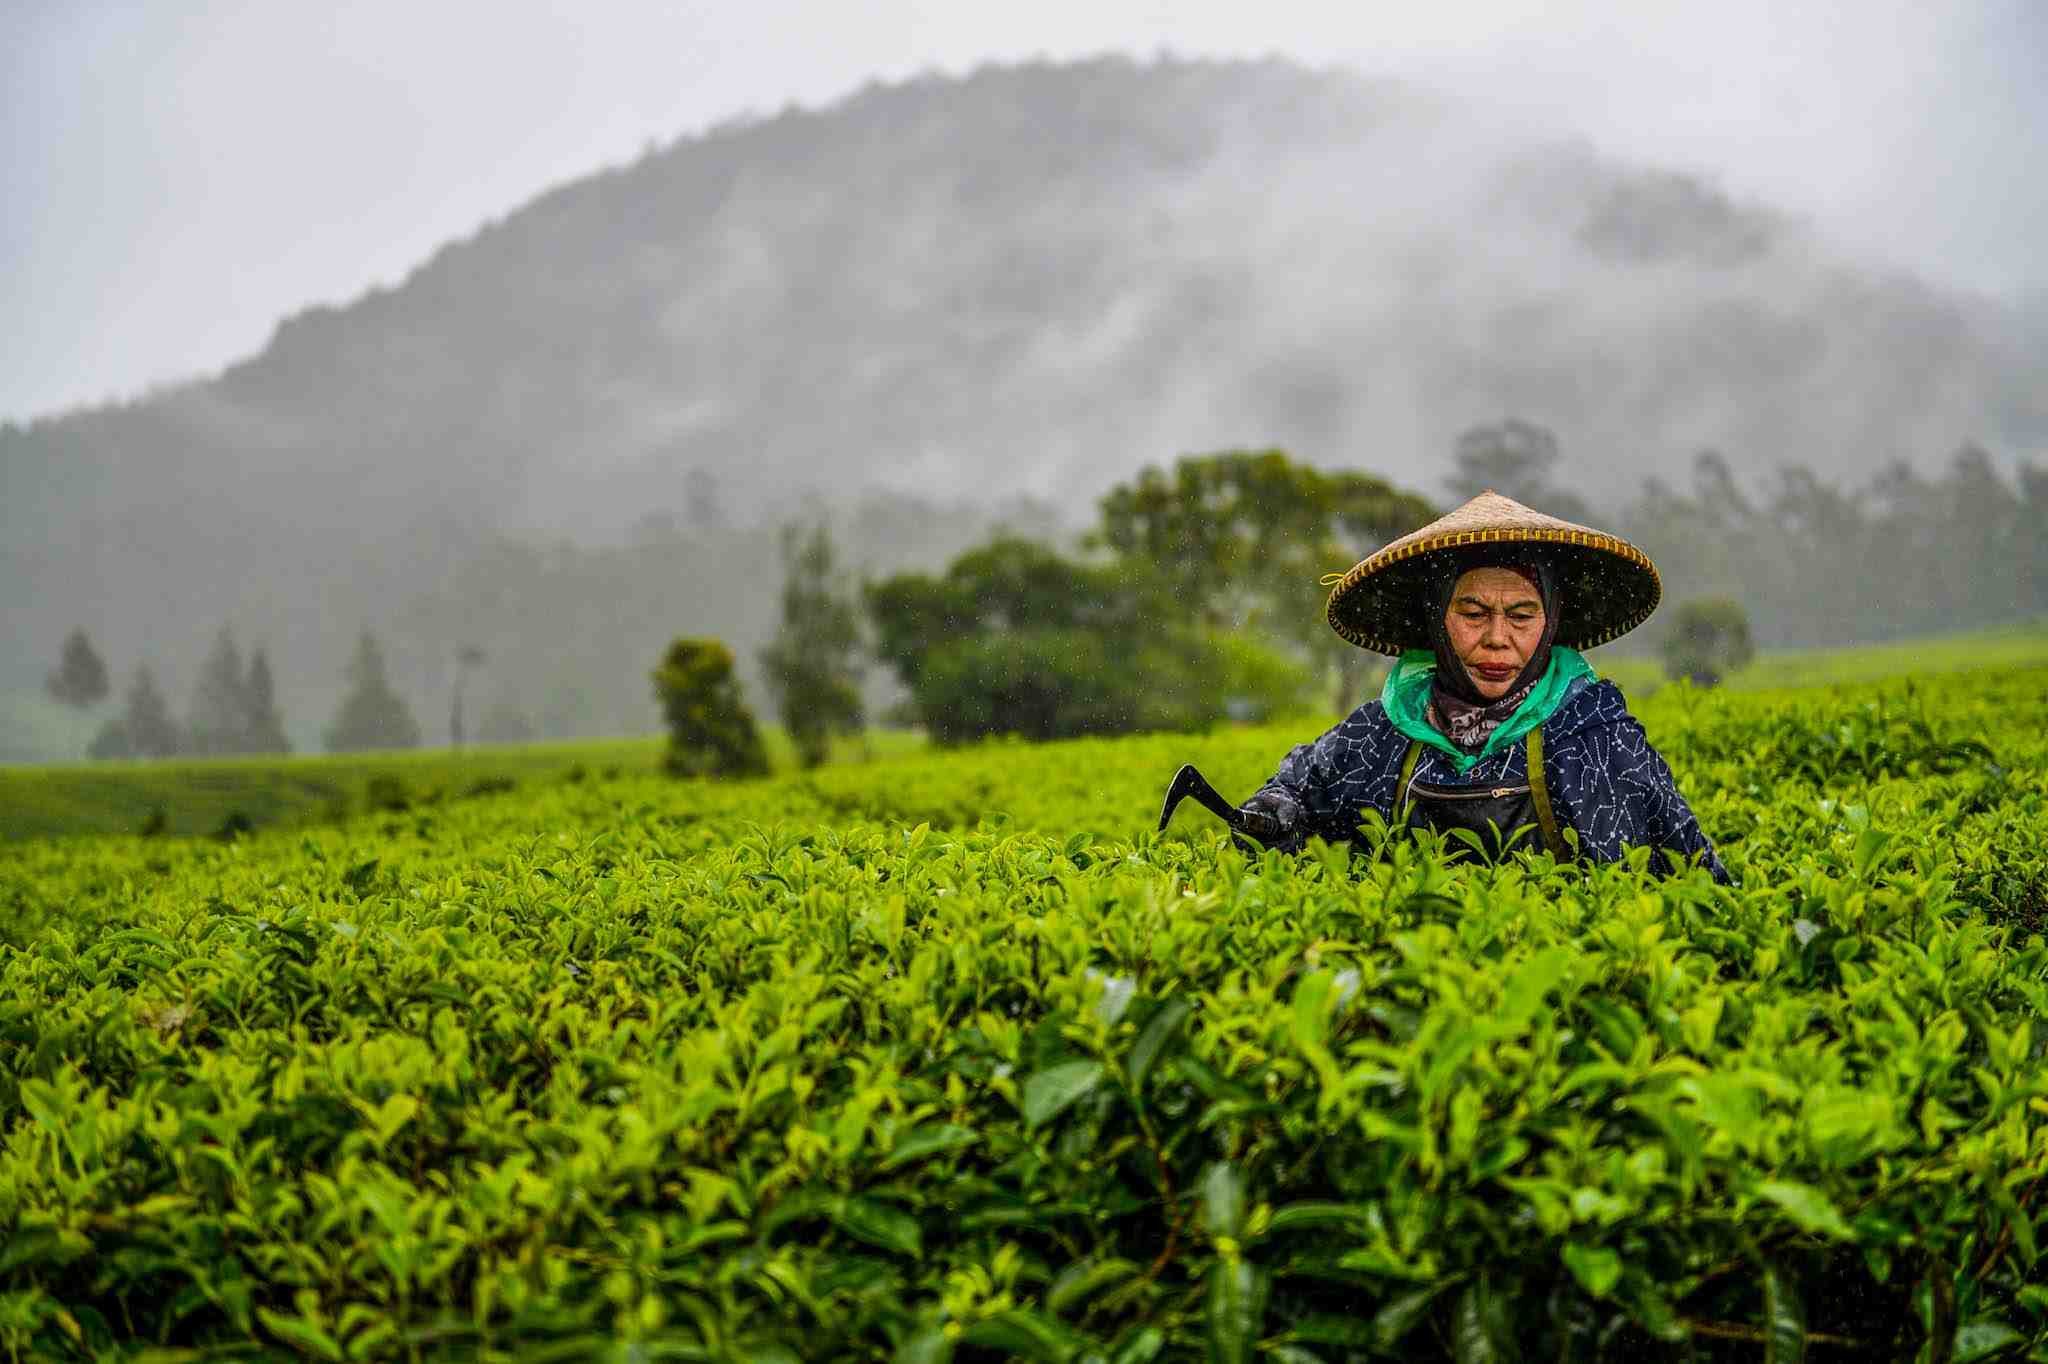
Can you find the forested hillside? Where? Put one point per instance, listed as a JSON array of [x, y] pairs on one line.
[[572, 433]]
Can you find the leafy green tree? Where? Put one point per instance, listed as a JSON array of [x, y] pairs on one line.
[[1010, 585], [711, 732], [80, 679], [145, 728], [812, 663], [263, 727], [1015, 639], [1242, 540], [371, 715], [1707, 639]]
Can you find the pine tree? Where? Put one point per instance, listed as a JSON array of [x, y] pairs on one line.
[[810, 664], [219, 721], [372, 715], [261, 722], [81, 676], [144, 729]]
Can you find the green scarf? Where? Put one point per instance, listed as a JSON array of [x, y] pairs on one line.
[[1406, 697]]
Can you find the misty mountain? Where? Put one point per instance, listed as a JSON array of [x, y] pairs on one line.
[[1025, 283]]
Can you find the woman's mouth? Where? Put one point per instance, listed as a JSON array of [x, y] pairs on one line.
[[1494, 672]]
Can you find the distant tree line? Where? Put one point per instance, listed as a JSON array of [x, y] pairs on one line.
[[234, 706], [1194, 597], [1811, 563], [1904, 554]]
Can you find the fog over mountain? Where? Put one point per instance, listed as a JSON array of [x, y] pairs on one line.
[[935, 299]]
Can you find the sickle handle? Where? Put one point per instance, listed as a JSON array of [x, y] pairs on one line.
[[1190, 782]]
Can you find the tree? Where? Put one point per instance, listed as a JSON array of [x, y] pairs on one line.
[[710, 730], [235, 710], [1953, 549], [1015, 639], [811, 663], [371, 715], [1242, 539], [2033, 564], [1988, 539], [263, 728], [1707, 639], [145, 728], [219, 720], [80, 680], [1517, 459]]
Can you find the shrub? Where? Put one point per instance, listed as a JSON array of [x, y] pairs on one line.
[[387, 792], [1707, 639], [710, 730]]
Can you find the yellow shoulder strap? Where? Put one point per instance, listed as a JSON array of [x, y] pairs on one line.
[[1539, 791], [1407, 775]]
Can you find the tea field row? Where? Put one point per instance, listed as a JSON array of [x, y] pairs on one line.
[[952, 1057]]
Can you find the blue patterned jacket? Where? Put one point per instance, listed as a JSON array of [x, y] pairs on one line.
[[1605, 779]]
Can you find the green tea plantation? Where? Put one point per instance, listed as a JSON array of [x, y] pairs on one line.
[[950, 1057]]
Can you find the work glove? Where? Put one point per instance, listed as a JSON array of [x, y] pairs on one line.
[[1273, 817]]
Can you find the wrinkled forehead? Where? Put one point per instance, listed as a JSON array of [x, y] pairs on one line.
[[1498, 582]]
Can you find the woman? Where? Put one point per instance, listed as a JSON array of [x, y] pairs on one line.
[[1491, 728]]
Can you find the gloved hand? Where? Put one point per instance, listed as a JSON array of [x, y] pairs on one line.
[[1273, 817]]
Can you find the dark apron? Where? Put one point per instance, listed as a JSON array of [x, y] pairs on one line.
[[1499, 819]]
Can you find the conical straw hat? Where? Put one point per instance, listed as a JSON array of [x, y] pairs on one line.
[[1606, 587]]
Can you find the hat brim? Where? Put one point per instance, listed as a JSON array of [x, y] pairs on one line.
[[1606, 587]]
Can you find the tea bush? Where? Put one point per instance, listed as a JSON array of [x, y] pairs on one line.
[[953, 1058]]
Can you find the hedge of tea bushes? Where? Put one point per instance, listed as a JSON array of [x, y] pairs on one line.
[[646, 1070]]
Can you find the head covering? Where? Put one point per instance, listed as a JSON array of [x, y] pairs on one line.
[[1456, 705], [1388, 601], [1410, 686]]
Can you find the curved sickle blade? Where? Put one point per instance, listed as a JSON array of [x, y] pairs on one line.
[[1189, 782]]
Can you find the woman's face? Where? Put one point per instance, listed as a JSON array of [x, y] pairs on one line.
[[1495, 620]]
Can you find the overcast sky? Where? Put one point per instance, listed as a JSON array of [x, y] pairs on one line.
[[178, 176]]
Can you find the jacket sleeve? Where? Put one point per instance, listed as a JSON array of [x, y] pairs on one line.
[[1318, 786], [1630, 799]]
